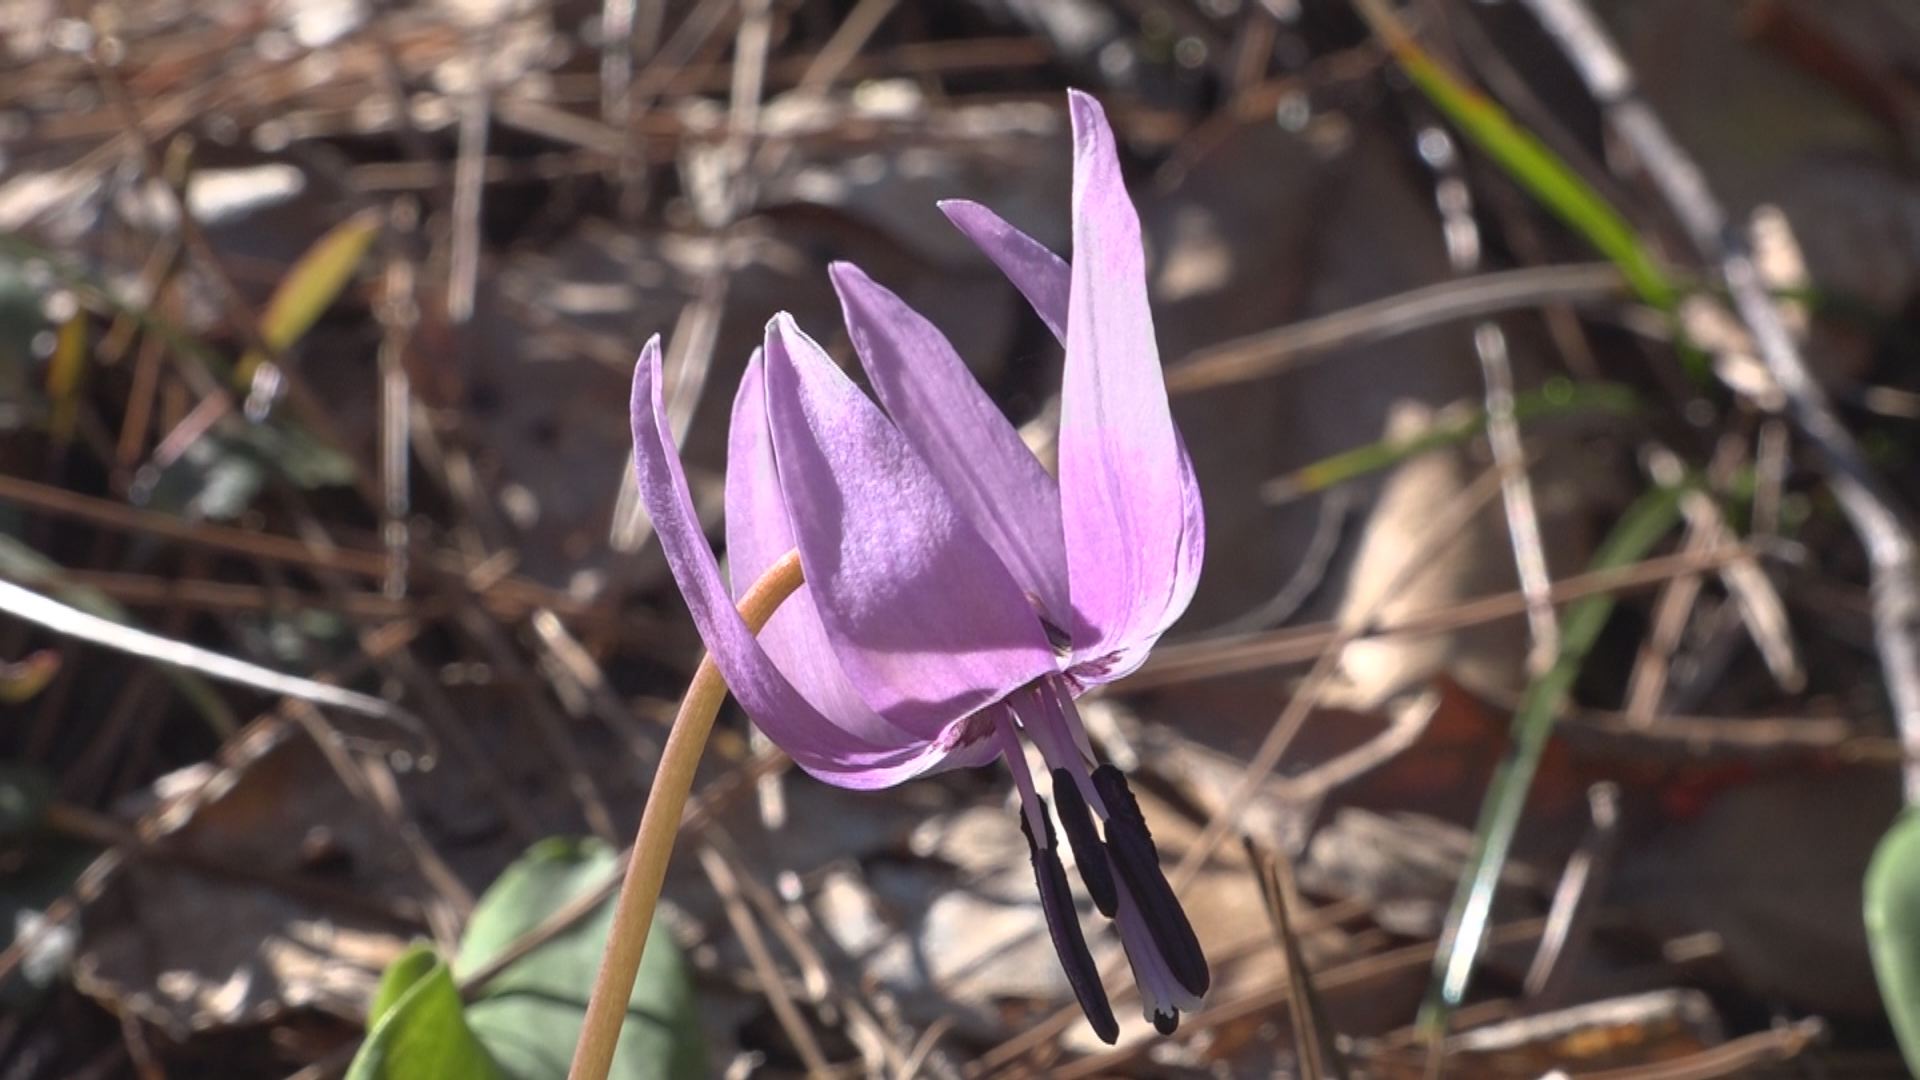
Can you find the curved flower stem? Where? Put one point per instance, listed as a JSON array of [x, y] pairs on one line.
[[659, 823]]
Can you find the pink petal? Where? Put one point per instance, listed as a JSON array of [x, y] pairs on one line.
[[926, 621], [990, 473], [759, 534], [1046, 280], [1040, 275], [816, 744], [1134, 531]]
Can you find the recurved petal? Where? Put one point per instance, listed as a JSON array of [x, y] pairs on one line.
[[1040, 275], [759, 534], [964, 438], [1131, 510], [927, 623], [834, 755]]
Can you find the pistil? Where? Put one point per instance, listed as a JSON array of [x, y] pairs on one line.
[[1161, 995]]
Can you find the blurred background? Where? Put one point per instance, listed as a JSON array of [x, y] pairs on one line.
[[1548, 370]]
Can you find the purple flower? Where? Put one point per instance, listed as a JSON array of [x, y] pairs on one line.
[[957, 597]]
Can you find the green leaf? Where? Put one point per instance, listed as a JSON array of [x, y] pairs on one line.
[[1893, 929], [1649, 519], [311, 285], [418, 1031], [529, 1015], [1528, 160]]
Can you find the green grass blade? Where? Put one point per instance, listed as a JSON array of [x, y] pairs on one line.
[[1560, 398], [1649, 519], [1528, 160]]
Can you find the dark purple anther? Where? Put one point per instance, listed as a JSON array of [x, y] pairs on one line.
[[1063, 923], [1139, 864], [1088, 853]]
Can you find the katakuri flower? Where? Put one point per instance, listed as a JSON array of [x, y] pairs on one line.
[[957, 597]]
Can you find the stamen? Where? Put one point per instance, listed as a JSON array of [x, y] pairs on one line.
[[1049, 729], [1034, 810], [1134, 855], [1069, 715], [1063, 923], [1088, 853], [1073, 791], [1056, 897]]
